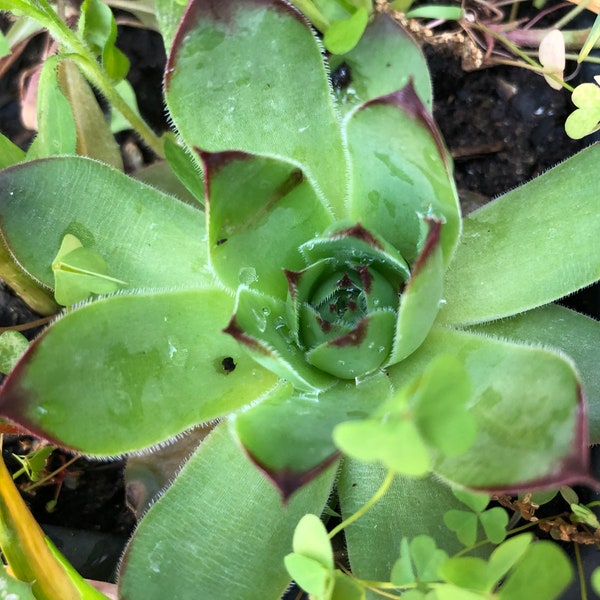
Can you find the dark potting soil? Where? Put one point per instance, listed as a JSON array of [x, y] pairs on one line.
[[502, 125]]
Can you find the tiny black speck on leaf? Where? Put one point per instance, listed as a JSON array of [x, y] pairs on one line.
[[228, 365]]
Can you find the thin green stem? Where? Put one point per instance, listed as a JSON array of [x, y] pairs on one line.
[[85, 59], [366, 506], [580, 572], [532, 64], [571, 14]]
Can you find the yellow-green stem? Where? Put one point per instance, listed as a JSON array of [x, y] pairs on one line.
[[366, 506], [86, 61]]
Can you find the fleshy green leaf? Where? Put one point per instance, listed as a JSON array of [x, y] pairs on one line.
[[510, 251], [397, 180], [527, 406], [289, 433], [409, 507], [275, 99], [384, 61], [573, 333], [12, 346], [201, 519], [168, 15], [421, 297], [259, 325], [147, 239], [260, 210], [163, 366], [186, 169]]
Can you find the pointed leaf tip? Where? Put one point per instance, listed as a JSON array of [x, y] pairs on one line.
[[288, 481], [407, 100]]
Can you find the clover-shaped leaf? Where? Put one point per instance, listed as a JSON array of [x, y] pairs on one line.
[[421, 418], [311, 564], [79, 272], [584, 120], [465, 523], [419, 561]]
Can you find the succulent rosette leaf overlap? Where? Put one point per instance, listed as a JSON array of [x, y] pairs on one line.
[[319, 295]]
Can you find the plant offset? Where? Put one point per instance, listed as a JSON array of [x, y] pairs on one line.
[[325, 302]]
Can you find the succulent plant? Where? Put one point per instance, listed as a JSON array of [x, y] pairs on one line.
[[323, 305]]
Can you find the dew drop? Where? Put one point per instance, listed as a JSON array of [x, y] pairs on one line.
[[247, 275]]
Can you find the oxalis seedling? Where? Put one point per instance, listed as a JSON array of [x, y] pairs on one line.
[[320, 296]]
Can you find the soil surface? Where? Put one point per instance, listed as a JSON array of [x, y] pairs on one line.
[[503, 126]]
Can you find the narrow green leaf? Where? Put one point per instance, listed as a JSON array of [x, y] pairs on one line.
[[57, 132], [591, 40], [448, 13], [117, 121], [189, 531], [550, 221], [275, 100], [4, 45], [98, 28], [163, 362], [94, 138]]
